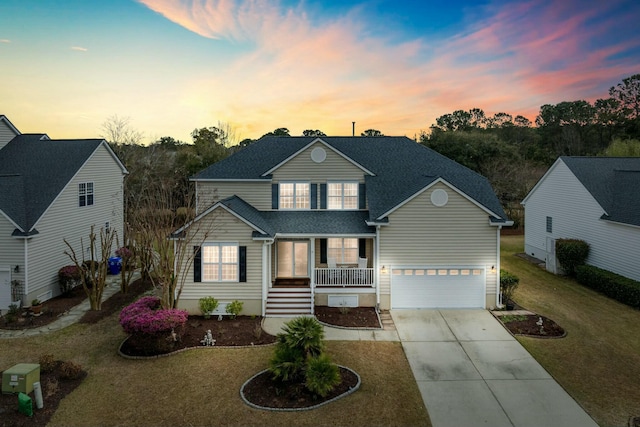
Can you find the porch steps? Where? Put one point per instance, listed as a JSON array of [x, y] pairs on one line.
[[289, 302]]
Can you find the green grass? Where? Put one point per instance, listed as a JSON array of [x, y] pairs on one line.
[[512, 318], [201, 387], [598, 362]]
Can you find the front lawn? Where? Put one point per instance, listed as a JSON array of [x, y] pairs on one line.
[[201, 387], [598, 362]]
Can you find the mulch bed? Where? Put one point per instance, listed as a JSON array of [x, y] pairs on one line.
[[54, 308], [267, 393], [352, 317], [54, 389], [241, 331], [528, 325]]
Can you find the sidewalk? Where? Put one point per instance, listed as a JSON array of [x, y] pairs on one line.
[[72, 316], [273, 326]]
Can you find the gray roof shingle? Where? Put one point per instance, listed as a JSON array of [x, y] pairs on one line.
[[33, 171], [613, 181], [401, 168]]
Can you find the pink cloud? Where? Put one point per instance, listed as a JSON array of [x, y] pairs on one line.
[[304, 73]]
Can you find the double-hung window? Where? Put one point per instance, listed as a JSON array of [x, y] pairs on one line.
[[85, 194], [295, 195], [220, 262], [342, 195], [344, 250]]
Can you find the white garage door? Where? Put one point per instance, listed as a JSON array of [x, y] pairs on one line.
[[441, 287]]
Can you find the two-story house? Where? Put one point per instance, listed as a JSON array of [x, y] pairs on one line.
[[51, 190], [294, 222]]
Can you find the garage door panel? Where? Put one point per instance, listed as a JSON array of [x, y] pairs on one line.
[[429, 287]]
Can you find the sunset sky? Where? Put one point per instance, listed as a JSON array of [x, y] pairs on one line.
[[172, 66]]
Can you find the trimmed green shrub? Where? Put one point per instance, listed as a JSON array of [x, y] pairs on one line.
[[299, 356], [571, 253], [620, 288], [508, 284], [322, 375], [234, 308], [207, 305]]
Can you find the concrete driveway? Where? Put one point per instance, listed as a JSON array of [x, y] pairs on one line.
[[472, 372]]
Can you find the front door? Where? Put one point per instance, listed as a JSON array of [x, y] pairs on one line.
[[293, 258]]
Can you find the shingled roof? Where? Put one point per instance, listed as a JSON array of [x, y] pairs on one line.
[[34, 170], [614, 182], [399, 168]]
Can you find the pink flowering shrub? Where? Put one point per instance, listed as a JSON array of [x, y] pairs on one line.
[[124, 252], [69, 277], [151, 327]]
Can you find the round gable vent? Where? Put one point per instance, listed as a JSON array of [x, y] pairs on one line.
[[439, 197], [318, 155]]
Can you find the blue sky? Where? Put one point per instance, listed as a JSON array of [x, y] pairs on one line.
[[173, 66]]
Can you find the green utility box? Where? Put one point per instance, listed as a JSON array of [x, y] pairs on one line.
[[20, 378]]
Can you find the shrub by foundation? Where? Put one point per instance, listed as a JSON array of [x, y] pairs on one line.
[[620, 288]]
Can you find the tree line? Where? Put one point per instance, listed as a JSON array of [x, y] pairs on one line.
[[511, 151]]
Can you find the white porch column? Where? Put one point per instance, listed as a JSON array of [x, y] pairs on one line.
[[312, 265], [266, 273], [498, 267]]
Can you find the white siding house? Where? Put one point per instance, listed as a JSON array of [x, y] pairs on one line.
[[376, 221], [595, 199], [52, 190]]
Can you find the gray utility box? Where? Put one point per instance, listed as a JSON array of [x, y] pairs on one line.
[[20, 378]]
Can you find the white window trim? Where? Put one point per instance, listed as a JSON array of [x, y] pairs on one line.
[[220, 245], [86, 193], [295, 204], [342, 196], [342, 248]]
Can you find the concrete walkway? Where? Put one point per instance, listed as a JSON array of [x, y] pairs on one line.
[[69, 318], [472, 372]]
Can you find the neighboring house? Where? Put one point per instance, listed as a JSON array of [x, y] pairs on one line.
[[295, 222], [595, 199], [51, 190]]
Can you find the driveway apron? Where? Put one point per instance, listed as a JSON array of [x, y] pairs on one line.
[[472, 372]]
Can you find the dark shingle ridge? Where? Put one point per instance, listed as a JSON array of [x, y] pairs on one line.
[[45, 167], [400, 165]]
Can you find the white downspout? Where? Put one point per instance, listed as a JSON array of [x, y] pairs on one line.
[[498, 305], [377, 266], [312, 265], [26, 268]]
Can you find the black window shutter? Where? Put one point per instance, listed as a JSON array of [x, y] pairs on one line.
[[323, 196], [362, 248], [274, 196], [314, 196], [362, 197], [323, 251], [197, 264], [243, 263]]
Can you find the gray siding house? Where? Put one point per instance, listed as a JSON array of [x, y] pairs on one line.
[[595, 199], [51, 190], [294, 222]]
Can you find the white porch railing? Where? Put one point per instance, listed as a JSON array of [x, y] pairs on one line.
[[344, 277]]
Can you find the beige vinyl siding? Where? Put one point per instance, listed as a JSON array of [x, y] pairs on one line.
[[65, 219], [257, 194], [576, 215], [6, 134], [221, 226], [302, 168], [420, 233], [11, 249]]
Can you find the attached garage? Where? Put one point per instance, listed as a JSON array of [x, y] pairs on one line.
[[438, 287]]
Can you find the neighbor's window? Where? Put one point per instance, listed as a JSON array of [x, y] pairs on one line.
[[295, 195], [345, 251], [342, 195], [85, 193], [220, 262], [549, 224]]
